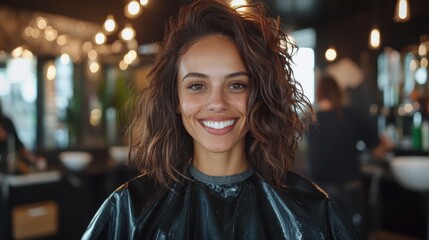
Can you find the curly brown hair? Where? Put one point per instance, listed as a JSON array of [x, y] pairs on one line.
[[159, 142]]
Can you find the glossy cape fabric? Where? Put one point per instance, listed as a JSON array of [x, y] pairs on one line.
[[247, 209]]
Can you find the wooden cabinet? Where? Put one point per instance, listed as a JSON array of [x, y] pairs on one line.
[[33, 220]]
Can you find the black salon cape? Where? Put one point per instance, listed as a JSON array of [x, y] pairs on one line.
[[249, 209]]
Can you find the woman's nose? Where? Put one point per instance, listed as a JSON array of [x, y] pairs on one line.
[[218, 101]]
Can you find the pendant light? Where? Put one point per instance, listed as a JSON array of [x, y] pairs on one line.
[[374, 38], [402, 11], [110, 24]]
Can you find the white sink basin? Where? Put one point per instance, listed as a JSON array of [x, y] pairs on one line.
[[411, 172]]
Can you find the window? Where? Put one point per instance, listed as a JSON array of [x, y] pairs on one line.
[[303, 61]]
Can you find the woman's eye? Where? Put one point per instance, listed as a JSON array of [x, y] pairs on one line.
[[238, 86], [195, 86]]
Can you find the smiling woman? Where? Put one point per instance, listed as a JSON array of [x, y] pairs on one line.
[[215, 135]]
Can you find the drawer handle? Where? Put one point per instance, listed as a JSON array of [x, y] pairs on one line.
[[37, 212]]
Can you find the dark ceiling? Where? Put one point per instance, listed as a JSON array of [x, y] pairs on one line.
[[150, 24]]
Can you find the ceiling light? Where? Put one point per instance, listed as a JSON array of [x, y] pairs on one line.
[[110, 24], [128, 32], [41, 22], [100, 38], [331, 54], [374, 38], [132, 9], [51, 72], [239, 5], [94, 67], [50, 33], [402, 11], [92, 54], [86, 46], [122, 65], [62, 40], [27, 54], [35, 33], [65, 59], [422, 49], [17, 52]]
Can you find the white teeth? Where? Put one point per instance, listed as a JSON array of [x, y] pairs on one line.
[[218, 125]]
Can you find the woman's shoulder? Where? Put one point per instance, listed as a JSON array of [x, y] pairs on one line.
[[301, 185], [126, 201], [309, 205], [135, 195], [141, 187]]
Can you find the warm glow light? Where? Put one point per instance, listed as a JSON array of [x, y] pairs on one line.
[[331, 54], [143, 2], [102, 49], [402, 11], [94, 67], [17, 52], [92, 54], [41, 22], [27, 31], [65, 59], [35, 33], [422, 49], [374, 38], [100, 38], [424, 62], [27, 54], [86, 46], [238, 3], [408, 107], [130, 57], [51, 72], [128, 32], [122, 65], [132, 9], [110, 24], [22, 52], [62, 40], [50, 33], [95, 117], [413, 65]]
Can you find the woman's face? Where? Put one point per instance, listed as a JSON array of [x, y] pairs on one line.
[[213, 89]]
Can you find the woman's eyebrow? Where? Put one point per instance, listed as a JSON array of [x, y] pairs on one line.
[[201, 75], [194, 74], [237, 74]]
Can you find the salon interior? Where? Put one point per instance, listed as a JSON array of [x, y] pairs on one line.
[[68, 68]]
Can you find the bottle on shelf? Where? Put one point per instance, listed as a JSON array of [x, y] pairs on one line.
[[425, 135], [417, 131]]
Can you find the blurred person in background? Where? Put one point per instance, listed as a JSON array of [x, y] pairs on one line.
[[10, 141], [332, 156]]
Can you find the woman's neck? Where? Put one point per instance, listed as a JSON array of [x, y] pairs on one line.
[[220, 164]]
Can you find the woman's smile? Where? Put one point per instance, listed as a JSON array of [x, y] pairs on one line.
[[218, 127]]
